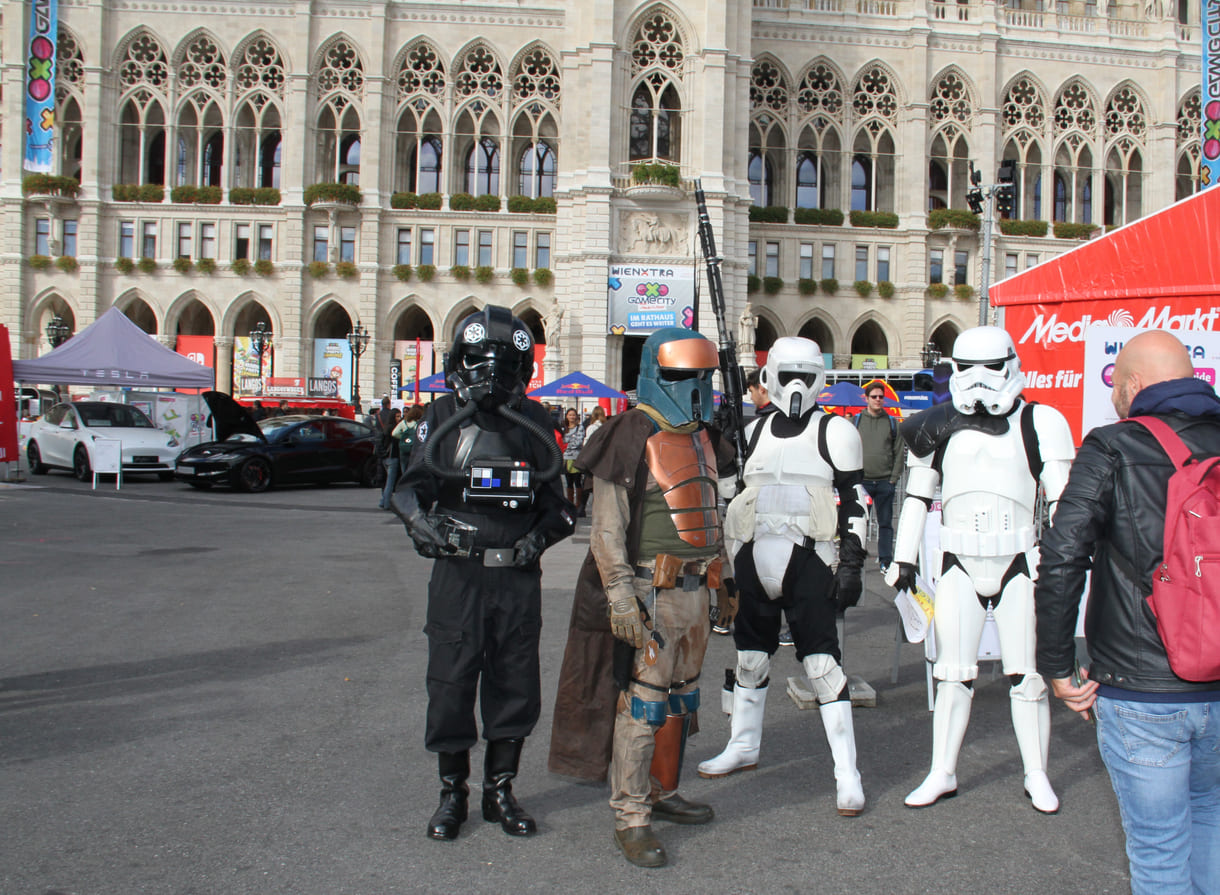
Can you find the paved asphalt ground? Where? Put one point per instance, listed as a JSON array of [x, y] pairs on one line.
[[221, 694]]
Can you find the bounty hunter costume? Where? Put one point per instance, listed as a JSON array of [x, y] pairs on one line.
[[988, 450], [482, 495], [655, 549], [780, 533]]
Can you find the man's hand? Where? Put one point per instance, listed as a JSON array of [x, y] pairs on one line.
[[528, 549], [428, 541], [901, 576], [625, 621], [1078, 696], [847, 587]]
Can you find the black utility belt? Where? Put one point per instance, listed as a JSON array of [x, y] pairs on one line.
[[492, 557], [686, 581]]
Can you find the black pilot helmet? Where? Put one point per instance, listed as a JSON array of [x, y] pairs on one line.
[[491, 358]]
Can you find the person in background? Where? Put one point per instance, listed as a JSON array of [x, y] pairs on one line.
[[258, 411], [883, 455], [406, 431], [282, 410], [1158, 734], [573, 441], [596, 418], [391, 448]]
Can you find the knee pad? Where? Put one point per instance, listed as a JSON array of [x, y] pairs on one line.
[[1030, 688], [753, 668], [651, 713], [684, 703], [827, 677]]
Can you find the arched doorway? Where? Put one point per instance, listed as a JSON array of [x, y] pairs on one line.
[[817, 330], [139, 313], [196, 320], [943, 338], [870, 339]]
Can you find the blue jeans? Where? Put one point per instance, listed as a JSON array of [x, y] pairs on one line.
[[391, 479], [1164, 764], [882, 493]]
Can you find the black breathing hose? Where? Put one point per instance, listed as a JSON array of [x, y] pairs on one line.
[[468, 410]]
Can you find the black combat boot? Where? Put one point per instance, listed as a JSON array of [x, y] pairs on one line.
[[499, 769], [451, 812]]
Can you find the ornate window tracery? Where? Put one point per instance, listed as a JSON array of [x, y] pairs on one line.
[[143, 74], [657, 56]]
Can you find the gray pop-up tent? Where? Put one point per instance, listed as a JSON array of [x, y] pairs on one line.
[[114, 352]]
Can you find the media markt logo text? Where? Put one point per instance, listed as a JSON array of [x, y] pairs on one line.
[[1051, 330]]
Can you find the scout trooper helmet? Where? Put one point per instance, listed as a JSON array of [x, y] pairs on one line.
[[986, 372], [794, 375]]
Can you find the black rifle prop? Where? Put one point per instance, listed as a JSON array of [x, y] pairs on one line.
[[729, 417]]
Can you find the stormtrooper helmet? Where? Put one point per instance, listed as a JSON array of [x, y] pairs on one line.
[[986, 372], [794, 375]]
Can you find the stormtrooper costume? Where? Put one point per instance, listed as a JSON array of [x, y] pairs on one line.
[[780, 533], [988, 451]]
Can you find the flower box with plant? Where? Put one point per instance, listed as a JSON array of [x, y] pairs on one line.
[[67, 264], [484, 274], [884, 219], [964, 291], [263, 267], [769, 214], [196, 195], [261, 195], [318, 269], [753, 283], [938, 290], [487, 202], [404, 200], [829, 286], [347, 270], [1023, 228], [460, 272], [206, 266], [519, 275], [124, 265], [138, 192], [656, 174], [772, 285], [147, 265], [403, 272], [182, 264], [885, 289], [240, 266], [806, 286], [956, 218], [50, 185], [427, 272], [38, 262], [526, 205], [341, 193], [822, 217], [461, 202], [863, 288], [543, 276], [1068, 230], [429, 201]]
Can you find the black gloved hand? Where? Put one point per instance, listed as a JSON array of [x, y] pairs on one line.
[[905, 577], [847, 587], [528, 549], [427, 540]]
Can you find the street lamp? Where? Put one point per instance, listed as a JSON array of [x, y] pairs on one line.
[[260, 341], [930, 355], [358, 340], [58, 331]]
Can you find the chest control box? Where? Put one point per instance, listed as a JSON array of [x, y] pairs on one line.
[[507, 484]]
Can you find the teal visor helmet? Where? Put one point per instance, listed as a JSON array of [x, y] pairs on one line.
[[676, 375]]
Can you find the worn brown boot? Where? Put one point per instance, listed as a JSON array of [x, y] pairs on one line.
[[640, 847], [678, 810]]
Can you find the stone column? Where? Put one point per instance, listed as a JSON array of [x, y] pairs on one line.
[[224, 363]]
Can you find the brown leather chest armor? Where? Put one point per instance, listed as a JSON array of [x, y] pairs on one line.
[[684, 466]]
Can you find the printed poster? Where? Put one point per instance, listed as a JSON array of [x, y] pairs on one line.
[[644, 298], [332, 359], [40, 87], [1209, 99]]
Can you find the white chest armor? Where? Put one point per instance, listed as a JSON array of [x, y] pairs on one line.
[[789, 490], [988, 494]]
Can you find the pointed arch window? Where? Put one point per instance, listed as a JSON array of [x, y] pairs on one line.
[[537, 171]]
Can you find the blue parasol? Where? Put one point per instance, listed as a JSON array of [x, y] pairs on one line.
[[576, 385], [433, 383]]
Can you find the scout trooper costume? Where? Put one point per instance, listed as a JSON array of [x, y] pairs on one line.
[[781, 532], [988, 451]]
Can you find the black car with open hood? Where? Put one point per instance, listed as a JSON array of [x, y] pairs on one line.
[[279, 450]]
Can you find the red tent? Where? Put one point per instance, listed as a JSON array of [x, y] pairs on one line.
[[1160, 272]]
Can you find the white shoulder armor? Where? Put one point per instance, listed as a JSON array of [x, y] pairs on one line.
[[786, 461], [844, 445], [1054, 434]]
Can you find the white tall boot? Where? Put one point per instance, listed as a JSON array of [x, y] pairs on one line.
[[949, 721], [849, 792], [1031, 722], [741, 753]]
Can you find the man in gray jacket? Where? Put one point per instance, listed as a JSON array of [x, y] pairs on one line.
[[883, 455], [1157, 733]]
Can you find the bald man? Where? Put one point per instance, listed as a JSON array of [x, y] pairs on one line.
[[1159, 735]]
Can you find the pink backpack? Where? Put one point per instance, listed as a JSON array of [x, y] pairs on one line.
[[1186, 585]]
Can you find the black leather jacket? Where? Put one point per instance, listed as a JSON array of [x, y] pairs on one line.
[[1110, 517]]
